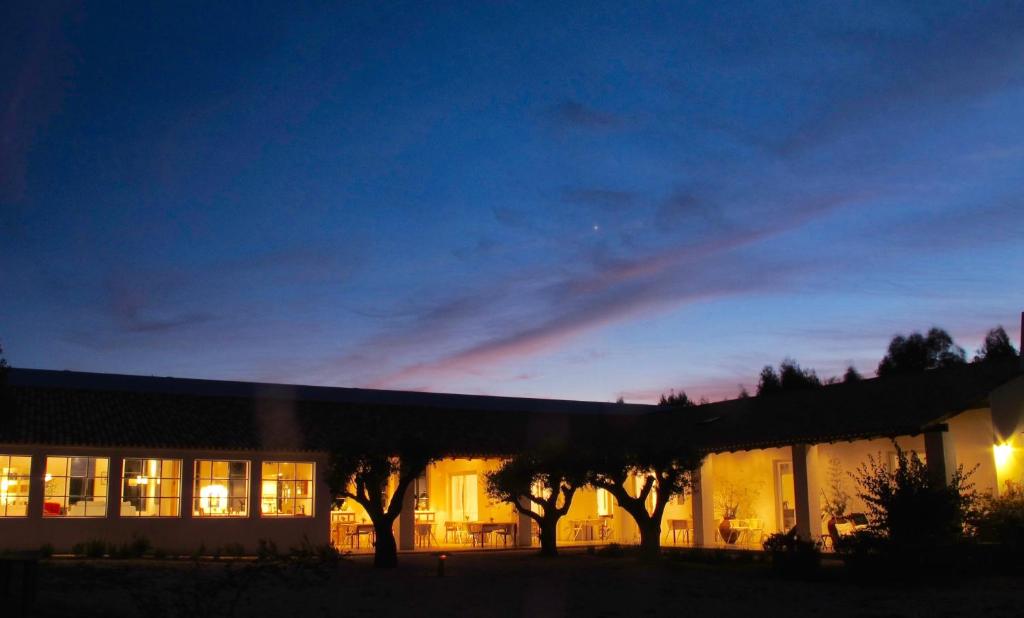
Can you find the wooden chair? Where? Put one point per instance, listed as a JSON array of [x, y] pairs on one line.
[[507, 534], [452, 532], [679, 527], [476, 533]]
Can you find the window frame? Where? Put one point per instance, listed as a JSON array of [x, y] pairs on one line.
[[310, 497], [161, 477], [196, 491], [67, 494], [5, 462]]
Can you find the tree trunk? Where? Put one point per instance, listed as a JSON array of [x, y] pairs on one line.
[[650, 537], [385, 552], [548, 537]]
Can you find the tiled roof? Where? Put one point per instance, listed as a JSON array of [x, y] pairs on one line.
[[877, 407], [71, 408], [87, 409]]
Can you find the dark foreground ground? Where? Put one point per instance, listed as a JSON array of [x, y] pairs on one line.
[[497, 584]]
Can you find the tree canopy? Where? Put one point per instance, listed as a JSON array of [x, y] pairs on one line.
[[996, 347], [917, 352], [790, 377], [547, 479]]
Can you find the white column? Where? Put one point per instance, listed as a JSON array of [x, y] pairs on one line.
[[524, 529], [407, 519], [807, 491], [940, 456], [704, 525]]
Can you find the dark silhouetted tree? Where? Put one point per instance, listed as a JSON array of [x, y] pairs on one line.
[[917, 352], [676, 400], [363, 475], [851, 375], [790, 377], [769, 382], [654, 453], [546, 479], [996, 347], [793, 377]]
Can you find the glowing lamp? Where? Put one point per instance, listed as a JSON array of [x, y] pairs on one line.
[[213, 499], [1003, 453]]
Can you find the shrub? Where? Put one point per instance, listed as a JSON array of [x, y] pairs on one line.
[[909, 509], [267, 550], [234, 549], [791, 554], [46, 550], [1001, 519], [94, 548], [612, 550]]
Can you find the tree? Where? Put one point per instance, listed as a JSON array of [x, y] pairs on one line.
[[364, 475], [769, 382], [790, 377], [651, 453], [996, 347], [851, 375], [3, 367], [916, 352], [676, 400], [546, 479]]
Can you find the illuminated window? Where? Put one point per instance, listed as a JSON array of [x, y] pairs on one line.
[[421, 491], [605, 503], [14, 475], [464, 497], [151, 488], [76, 487], [221, 489], [287, 489]]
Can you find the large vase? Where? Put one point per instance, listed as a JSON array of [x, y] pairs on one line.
[[729, 535]]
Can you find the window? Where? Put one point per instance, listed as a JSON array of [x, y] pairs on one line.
[[421, 492], [76, 487], [151, 488], [287, 489], [14, 475], [464, 497], [221, 489], [605, 504]]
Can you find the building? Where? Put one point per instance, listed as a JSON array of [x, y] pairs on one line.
[[190, 463]]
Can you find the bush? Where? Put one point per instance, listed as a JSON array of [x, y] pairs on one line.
[[612, 550], [46, 550], [94, 548], [791, 554], [1001, 519], [908, 509], [234, 549], [267, 550]]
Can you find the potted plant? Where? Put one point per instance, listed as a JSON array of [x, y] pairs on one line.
[[732, 501], [835, 501]]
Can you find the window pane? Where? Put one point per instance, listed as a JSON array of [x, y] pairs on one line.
[[14, 482], [151, 488], [75, 487], [286, 489], [221, 489]]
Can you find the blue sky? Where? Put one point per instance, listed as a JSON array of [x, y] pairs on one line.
[[507, 198]]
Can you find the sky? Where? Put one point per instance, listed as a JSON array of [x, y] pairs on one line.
[[568, 200]]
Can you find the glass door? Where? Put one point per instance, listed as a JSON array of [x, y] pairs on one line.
[[785, 498], [464, 497]]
